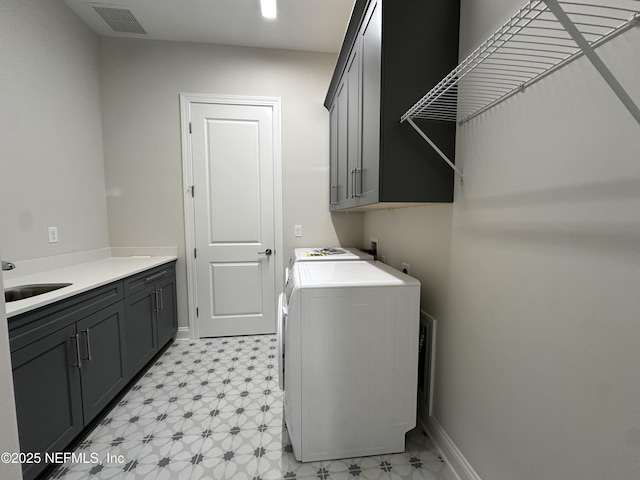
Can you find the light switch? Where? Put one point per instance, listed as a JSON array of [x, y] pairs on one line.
[[297, 230]]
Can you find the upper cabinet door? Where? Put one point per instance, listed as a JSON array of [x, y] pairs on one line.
[[367, 177], [333, 156], [345, 119], [353, 125], [342, 103]]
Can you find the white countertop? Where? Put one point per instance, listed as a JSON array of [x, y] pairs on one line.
[[83, 277]]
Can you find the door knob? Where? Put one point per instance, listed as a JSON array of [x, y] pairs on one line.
[[266, 252]]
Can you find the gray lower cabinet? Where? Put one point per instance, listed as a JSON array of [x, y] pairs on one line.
[[70, 359], [141, 337], [103, 368], [166, 312], [150, 309], [48, 395]]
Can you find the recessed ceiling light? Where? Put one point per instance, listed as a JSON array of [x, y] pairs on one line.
[[269, 9]]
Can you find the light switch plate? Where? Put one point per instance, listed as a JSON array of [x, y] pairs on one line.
[[297, 230]]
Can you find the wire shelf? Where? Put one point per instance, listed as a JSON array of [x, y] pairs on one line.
[[536, 41]]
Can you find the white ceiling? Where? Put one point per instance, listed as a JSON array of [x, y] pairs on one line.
[[312, 25]]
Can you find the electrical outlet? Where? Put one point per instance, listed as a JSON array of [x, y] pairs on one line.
[[406, 268], [53, 234], [297, 230]]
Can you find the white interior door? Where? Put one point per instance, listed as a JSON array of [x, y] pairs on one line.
[[233, 175]]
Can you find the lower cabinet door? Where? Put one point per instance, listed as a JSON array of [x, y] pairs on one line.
[[167, 321], [103, 352], [140, 331], [48, 395]]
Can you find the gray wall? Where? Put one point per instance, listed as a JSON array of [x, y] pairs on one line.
[[537, 366], [421, 237], [50, 132], [140, 84], [51, 161]]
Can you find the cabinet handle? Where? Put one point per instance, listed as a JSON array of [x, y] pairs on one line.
[[353, 183], [88, 340], [78, 360], [155, 300], [356, 171], [157, 275], [161, 299]]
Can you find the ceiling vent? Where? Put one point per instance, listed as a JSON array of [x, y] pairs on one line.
[[120, 20]]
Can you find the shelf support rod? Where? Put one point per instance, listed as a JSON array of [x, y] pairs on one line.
[[593, 57], [434, 146]]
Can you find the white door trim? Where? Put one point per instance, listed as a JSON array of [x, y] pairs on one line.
[[186, 99]]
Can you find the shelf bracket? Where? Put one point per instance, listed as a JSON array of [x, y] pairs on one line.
[[593, 57], [435, 147]]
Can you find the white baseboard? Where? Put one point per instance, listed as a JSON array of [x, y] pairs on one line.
[[183, 334], [460, 467]]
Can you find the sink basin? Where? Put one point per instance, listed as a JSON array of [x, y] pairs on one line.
[[26, 291]]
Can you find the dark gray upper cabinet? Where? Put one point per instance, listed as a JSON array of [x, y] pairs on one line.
[[392, 51]]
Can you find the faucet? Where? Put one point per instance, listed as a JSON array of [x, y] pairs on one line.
[[7, 265]]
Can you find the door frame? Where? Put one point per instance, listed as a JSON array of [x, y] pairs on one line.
[[186, 99]]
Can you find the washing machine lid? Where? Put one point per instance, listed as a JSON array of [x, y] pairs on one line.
[[350, 274], [313, 254]]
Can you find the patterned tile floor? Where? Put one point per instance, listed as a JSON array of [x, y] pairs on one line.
[[212, 409]]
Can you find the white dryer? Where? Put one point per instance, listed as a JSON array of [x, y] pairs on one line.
[[325, 254], [350, 332]]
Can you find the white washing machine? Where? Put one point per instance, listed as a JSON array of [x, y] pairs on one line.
[[329, 253], [350, 343]]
